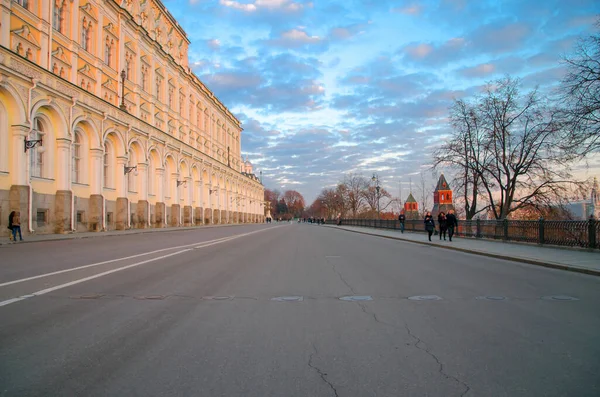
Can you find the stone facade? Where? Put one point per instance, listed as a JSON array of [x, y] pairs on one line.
[[100, 160]]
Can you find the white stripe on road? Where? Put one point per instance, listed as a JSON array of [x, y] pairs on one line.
[[45, 291], [102, 263]]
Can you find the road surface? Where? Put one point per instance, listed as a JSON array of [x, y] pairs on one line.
[[289, 310]]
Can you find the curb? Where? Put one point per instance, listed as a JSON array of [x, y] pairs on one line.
[[529, 261]]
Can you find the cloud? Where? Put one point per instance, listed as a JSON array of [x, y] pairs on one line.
[[482, 70], [215, 44], [434, 54], [413, 9], [258, 5], [500, 36]]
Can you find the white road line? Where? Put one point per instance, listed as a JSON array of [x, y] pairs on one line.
[[194, 245], [197, 245], [103, 263]]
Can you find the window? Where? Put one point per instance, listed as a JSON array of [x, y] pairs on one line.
[[108, 51], [86, 29], [23, 3], [36, 159], [171, 89], [58, 17], [131, 176], [158, 84], [41, 217], [107, 165], [77, 159], [144, 77], [80, 216]]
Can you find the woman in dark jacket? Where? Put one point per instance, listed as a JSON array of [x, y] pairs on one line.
[[429, 224], [443, 224]]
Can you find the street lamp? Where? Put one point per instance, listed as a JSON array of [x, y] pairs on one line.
[[123, 77], [127, 170], [375, 179], [30, 144]]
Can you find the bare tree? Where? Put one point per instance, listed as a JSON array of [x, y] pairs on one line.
[[523, 164], [581, 96], [465, 148], [355, 186]]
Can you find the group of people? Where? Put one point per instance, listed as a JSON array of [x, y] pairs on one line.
[[14, 225], [446, 222]]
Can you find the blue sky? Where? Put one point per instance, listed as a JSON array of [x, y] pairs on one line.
[[325, 88]]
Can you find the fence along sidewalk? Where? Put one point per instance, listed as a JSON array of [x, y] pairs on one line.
[[582, 234]]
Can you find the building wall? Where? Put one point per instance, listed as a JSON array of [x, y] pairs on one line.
[[60, 66]]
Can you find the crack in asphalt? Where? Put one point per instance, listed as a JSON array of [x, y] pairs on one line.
[[342, 278], [322, 374], [425, 349], [421, 346], [419, 343]]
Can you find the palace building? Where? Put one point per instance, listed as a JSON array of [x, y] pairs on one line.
[[103, 124]]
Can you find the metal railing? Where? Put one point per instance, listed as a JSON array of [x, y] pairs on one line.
[[584, 234]]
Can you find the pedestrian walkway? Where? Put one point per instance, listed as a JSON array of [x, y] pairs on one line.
[[577, 260]]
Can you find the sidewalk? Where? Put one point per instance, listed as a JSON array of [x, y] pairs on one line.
[[575, 260]]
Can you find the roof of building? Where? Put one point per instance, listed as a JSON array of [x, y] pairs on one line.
[[442, 184], [411, 199]]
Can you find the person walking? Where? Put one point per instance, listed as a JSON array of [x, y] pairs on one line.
[[429, 224], [443, 224], [451, 223], [401, 219], [14, 223]]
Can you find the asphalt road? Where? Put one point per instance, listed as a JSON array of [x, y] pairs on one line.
[[256, 310]]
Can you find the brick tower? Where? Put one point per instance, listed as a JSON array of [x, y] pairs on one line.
[[442, 197], [411, 208]]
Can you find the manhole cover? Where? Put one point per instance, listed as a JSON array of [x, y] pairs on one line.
[[425, 298], [89, 296], [491, 298], [288, 299], [559, 298], [356, 298], [217, 298], [151, 297]]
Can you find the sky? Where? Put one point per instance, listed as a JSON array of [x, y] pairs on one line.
[[325, 88]]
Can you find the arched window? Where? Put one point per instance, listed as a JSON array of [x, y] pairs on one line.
[[77, 159], [131, 176], [108, 165], [151, 175], [36, 159]]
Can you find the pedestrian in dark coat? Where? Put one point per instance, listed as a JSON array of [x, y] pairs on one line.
[[451, 223], [429, 224], [402, 219], [443, 224]]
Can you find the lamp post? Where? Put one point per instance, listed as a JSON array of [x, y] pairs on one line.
[[123, 77], [375, 179]]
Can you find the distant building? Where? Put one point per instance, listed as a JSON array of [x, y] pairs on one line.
[[442, 197], [411, 208], [583, 209]]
